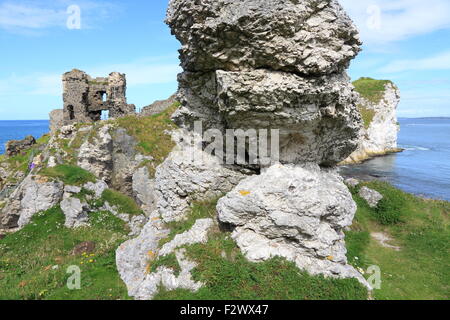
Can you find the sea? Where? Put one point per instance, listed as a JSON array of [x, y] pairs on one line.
[[19, 129], [423, 168]]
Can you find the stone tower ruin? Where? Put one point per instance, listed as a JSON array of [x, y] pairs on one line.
[[85, 98]]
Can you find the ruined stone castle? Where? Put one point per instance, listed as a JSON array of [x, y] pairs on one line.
[[85, 98]]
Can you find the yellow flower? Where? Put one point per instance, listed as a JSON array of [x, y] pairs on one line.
[[90, 261], [244, 193]]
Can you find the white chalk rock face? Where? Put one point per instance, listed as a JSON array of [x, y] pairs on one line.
[[298, 213], [380, 137]]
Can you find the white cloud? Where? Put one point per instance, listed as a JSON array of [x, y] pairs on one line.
[[440, 61], [23, 16], [141, 72], [398, 19]]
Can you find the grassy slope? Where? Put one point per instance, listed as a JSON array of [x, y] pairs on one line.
[[421, 270], [27, 258]]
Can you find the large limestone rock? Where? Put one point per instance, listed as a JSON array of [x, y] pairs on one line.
[[179, 182], [304, 37], [33, 195], [298, 213], [379, 136], [182, 179], [270, 65], [96, 156]]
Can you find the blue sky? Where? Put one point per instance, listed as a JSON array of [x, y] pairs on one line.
[[407, 41]]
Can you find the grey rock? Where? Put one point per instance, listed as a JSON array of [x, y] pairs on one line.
[[15, 147], [380, 137], [371, 196], [75, 212], [158, 106], [33, 195], [97, 187], [298, 213], [56, 120], [197, 234], [72, 189], [182, 179], [270, 65], [352, 182], [132, 257], [144, 189], [96, 156], [304, 37]]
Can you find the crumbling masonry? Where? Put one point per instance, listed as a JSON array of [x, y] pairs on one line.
[[85, 98]]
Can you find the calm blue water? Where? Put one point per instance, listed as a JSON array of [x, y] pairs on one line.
[[423, 168], [17, 130]]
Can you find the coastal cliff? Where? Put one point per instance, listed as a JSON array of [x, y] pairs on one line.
[[377, 104]]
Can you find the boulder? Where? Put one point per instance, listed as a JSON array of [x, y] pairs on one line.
[[372, 197], [15, 147], [75, 212], [33, 195], [294, 212]]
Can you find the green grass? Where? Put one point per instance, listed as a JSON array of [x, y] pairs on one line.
[[27, 258], [367, 115], [69, 174], [199, 210], [168, 261], [227, 274], [371, 89], [150, 133], [421, 270], [123, 203]]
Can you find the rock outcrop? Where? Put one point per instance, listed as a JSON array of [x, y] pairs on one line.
[[158, 106], [298, 213], [277, 65], [33, 195], [179, 182], [270, 65], [15, 147], [378, 105]]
